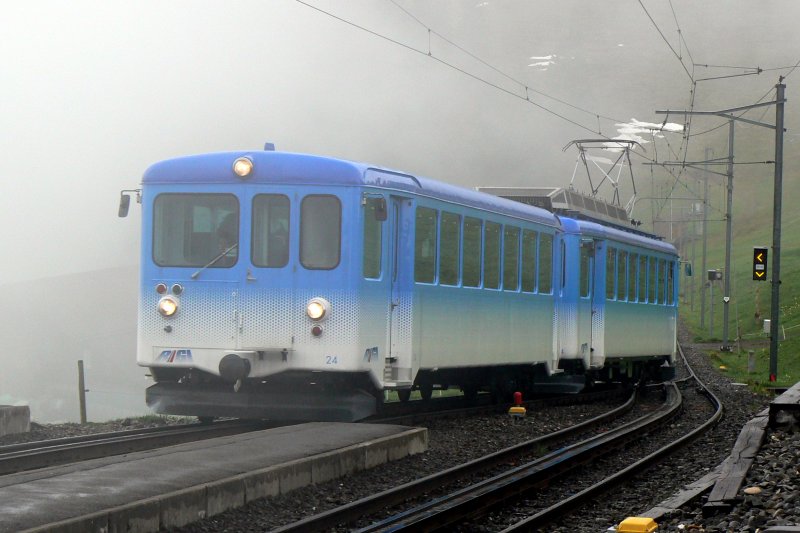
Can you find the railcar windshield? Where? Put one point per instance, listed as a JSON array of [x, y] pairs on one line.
[[191, 230]]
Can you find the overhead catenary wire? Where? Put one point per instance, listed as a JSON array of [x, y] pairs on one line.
[[684, 147], [527, 89], [680, 33], [677, 55], [523, 85]]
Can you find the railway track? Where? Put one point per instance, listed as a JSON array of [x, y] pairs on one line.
[[33, 455], [356, 510], [445, 511]]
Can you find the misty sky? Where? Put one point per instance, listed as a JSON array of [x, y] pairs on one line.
[[93, 92]]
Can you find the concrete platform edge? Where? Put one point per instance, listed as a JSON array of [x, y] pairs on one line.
[[178, 508]]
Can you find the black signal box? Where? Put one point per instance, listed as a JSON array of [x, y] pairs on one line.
[[760, 263]]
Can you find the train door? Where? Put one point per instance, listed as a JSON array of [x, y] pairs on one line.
[[265, 317], [586, 300], [398, 371], [598, 300]]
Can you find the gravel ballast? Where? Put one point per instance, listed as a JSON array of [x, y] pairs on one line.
[[775, 473]]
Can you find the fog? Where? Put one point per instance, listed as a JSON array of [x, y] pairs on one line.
[[93, 92]]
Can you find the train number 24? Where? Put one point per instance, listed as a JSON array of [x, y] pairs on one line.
[[331, 359]]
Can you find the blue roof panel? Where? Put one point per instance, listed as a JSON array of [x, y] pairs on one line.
[[301, 169]]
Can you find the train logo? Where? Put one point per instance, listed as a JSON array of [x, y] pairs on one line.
[[175, 356]]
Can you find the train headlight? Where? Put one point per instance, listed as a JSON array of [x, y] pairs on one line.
[[167, 306], [317, 308], [243, 166]]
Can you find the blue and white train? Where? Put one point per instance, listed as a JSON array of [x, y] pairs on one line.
[[290, 286]]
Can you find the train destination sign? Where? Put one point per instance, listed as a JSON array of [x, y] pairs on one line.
[[760, 263]]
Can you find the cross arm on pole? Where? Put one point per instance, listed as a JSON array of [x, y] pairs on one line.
[[728, 113]]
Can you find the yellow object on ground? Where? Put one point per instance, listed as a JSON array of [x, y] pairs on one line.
[[637, 524]]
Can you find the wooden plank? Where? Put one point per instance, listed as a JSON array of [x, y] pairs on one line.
[[788, 401], [688, 494], [735, 467], [790, 397]]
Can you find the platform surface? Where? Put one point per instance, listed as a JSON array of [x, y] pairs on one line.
[[176, 485]]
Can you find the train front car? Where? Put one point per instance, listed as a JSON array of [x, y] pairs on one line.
[[247, 306]]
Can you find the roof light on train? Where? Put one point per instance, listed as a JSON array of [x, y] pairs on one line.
[[177, 289], [167, 306], [317, 308], [243, 166], [161, 288]]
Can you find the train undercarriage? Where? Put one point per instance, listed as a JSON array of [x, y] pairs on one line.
[[347, 397]]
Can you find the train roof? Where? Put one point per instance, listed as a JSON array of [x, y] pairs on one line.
[[304, 169], [595, 229]]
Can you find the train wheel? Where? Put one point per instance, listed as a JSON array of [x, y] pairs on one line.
[[404, 394], [426, 391]]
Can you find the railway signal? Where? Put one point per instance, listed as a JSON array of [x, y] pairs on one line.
[[760, 263]]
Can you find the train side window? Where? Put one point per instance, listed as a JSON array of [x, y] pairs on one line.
[[642, 278], [622, 275], [633, 261], [270, 230], [528, 261], [545, 263], [671, 283], [449, 248], [662, 281], [652, 281], [510, 258], [320, 232], [473, 229], [491, 256], [611, 265], [425, 245], [374, 214], [585, 269]]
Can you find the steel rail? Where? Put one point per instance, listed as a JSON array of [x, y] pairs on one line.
[[371, 504], [476, 499], [575, 501]]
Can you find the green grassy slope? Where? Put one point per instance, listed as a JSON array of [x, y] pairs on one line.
[[752, 226]]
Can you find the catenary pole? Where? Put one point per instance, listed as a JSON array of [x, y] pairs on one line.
[[776, 233], [731, 115], [726, 297], [704, 284]]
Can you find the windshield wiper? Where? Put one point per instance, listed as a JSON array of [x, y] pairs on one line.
[[213, 261]]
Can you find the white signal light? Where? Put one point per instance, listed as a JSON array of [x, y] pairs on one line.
[[317, 308], [243, 166], [167, 306]]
